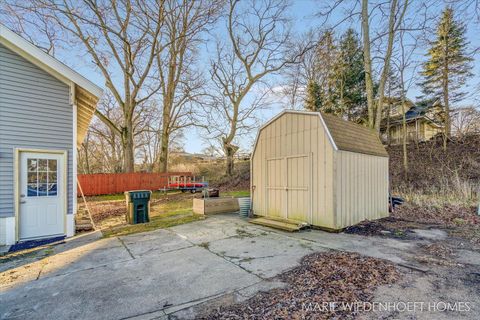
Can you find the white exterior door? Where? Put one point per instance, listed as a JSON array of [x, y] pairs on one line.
[[41, 195]]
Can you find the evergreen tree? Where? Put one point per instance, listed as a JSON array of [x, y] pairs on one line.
[[448, 65], [313, 100], [350, 77], [326, 58]]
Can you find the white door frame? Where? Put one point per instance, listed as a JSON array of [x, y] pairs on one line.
[[16, 184]]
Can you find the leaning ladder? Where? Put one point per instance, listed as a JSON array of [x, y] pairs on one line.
[[86, 205]]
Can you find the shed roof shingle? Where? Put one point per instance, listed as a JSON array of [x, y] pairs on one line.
[[349, 136]]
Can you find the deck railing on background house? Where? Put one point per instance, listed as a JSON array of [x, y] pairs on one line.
[[111, 183]]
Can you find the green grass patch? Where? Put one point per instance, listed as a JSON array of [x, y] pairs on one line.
[[158, 222], [236, 194]]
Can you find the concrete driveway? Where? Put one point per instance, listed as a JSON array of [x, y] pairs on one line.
[[165, 272]]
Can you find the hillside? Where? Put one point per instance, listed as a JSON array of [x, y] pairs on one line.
[[432, 171]]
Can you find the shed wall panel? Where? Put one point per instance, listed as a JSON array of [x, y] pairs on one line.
[[362, 188], [35, 113]]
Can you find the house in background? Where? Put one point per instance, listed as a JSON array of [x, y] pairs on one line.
[[424, 121], [45, 110]]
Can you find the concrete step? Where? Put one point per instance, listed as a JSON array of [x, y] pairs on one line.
[[84, 227], [276, 223], [82, 221]]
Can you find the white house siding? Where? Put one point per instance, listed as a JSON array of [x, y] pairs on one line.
[[290, 135], [361, 188], [35, 113]]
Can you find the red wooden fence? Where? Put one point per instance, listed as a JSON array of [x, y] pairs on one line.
[[110, 183]]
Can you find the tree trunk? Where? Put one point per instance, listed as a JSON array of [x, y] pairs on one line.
[[163, 159], [167, 107], [388, 123], [128, 146], [446, 102], [230, 165], [386, 66], [230, 151], [367, 61], [404, 142]]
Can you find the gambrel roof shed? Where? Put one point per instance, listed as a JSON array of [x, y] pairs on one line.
[[319, 169], [84, 93]]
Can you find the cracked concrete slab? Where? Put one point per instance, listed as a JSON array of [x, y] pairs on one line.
[[468, 257], [264, 255], [126, 289], [214, 228], [91, 256], [154, 243], [382, 248], [431, 234]]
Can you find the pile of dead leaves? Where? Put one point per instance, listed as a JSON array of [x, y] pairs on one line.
[[448, 215], [102, 210], [320, 279], [436, 253]]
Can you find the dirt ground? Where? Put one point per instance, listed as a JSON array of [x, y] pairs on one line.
[[110, 211], [460, 223]]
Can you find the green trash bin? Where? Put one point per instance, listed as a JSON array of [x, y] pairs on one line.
[[138, 206]]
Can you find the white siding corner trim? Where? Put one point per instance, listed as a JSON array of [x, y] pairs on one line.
[[70, 225], [7, 231]]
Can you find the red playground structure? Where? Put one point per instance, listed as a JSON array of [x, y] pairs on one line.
[[185, 184]]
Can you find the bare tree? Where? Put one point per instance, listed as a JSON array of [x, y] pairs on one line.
[[465, 121], [405, 62], [181, 84], [258, 45], [395, 18], [121, 37]]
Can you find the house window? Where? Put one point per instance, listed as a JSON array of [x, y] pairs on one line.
[[42, 177]]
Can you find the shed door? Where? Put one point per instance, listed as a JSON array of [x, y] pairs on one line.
[[298, 188], [289, 188], [42, 195], [275, 188]]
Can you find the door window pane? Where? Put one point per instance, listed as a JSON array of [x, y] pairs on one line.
[[42, 177], [32, 177], [32, 165], [52, 176], [52, 189], [52, 165], [32, 190], [42, 164], [42, 189]]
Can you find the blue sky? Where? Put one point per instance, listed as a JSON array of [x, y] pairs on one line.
[[302, 12]]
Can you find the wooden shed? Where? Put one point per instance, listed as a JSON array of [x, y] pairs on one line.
[[318, 169]]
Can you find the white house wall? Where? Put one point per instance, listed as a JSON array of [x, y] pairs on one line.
[[35, 113]]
